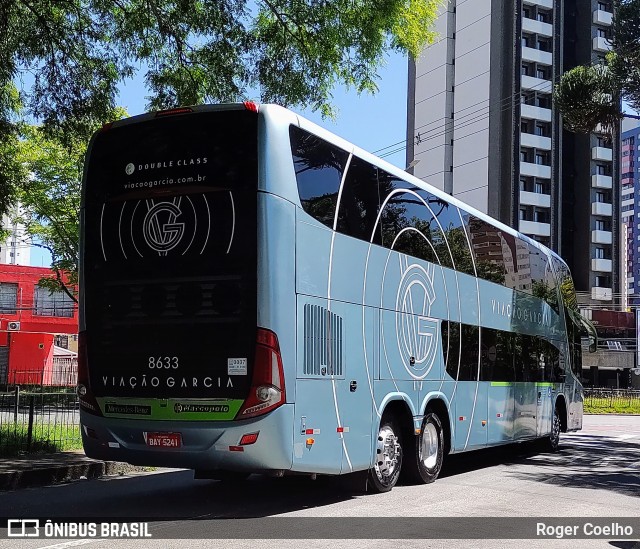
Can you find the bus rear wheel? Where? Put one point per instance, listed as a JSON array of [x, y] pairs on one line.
[[425, 464], [385, 472]]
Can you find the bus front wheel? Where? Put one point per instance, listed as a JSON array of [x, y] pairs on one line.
[[426, 461], [388, 459], [551, 442]]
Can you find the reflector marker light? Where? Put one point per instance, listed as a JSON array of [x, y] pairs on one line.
[[462, 418], [310, 441], [342, 429], [498, 415], [249, 438], [484, 422], [236, 449]]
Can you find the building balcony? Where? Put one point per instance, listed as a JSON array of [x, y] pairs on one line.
[[537, 27], [535, 170], [601, 181], [601, 44], [535, 199], [602, 153], [534, 228], [601, 17], [537, 56], [601, 237], [601, 294], [535, 141], [602, 265], [543, 3], [537, 84], [535, 113], [602, 208]]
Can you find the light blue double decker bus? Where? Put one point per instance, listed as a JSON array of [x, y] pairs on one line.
[[259, 295]]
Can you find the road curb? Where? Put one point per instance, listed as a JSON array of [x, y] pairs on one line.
[[56, 474]]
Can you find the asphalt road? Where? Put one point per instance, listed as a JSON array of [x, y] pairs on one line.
[[596, 474]]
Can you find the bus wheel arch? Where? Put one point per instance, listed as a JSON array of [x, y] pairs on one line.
[[394, 430]]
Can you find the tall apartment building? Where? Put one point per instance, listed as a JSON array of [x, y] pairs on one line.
[[482, 127], [630, 213], [16, 249]]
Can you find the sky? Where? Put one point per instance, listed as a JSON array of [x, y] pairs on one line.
[[370, 121]]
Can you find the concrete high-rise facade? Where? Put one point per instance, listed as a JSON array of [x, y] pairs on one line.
[[630, 213], [482, 126], [16, 249]]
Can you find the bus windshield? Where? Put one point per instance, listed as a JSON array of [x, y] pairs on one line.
[[170, 212]]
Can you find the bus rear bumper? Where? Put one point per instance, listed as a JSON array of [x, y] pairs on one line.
[[203, 445]]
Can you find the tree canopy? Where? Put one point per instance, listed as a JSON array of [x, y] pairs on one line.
[[68, 57], [591, 95], [62, 62]]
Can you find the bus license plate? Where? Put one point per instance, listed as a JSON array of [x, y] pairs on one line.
[[164, 440]]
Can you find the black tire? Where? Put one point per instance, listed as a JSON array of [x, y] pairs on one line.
[[425, 462], [383, 476], [551, 443]]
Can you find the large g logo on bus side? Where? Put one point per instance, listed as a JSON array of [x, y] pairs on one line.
[[417, 333], [160, 230]]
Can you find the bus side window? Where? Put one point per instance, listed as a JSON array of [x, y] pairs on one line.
[[469, 354], [360, 202], [488, 249], [319, 167], [406, 221], [497, 355], [527, 358], [451, 346], [553, 360]]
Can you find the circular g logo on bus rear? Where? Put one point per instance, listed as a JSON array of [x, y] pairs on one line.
[[417, 333], [129, 168], [161, 232]]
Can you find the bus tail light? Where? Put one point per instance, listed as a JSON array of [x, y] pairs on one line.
[[87, 401], [251, 106], [267, 386], [171, 112]]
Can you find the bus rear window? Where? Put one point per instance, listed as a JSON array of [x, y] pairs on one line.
[[212, 150], [169, 255]]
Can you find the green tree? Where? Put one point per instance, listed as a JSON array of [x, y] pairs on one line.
[[49, 197], [48, 176], [589, 95], [68, 57]]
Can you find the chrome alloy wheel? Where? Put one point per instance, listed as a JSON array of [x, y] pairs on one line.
[[388, 453], [429, 446]]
